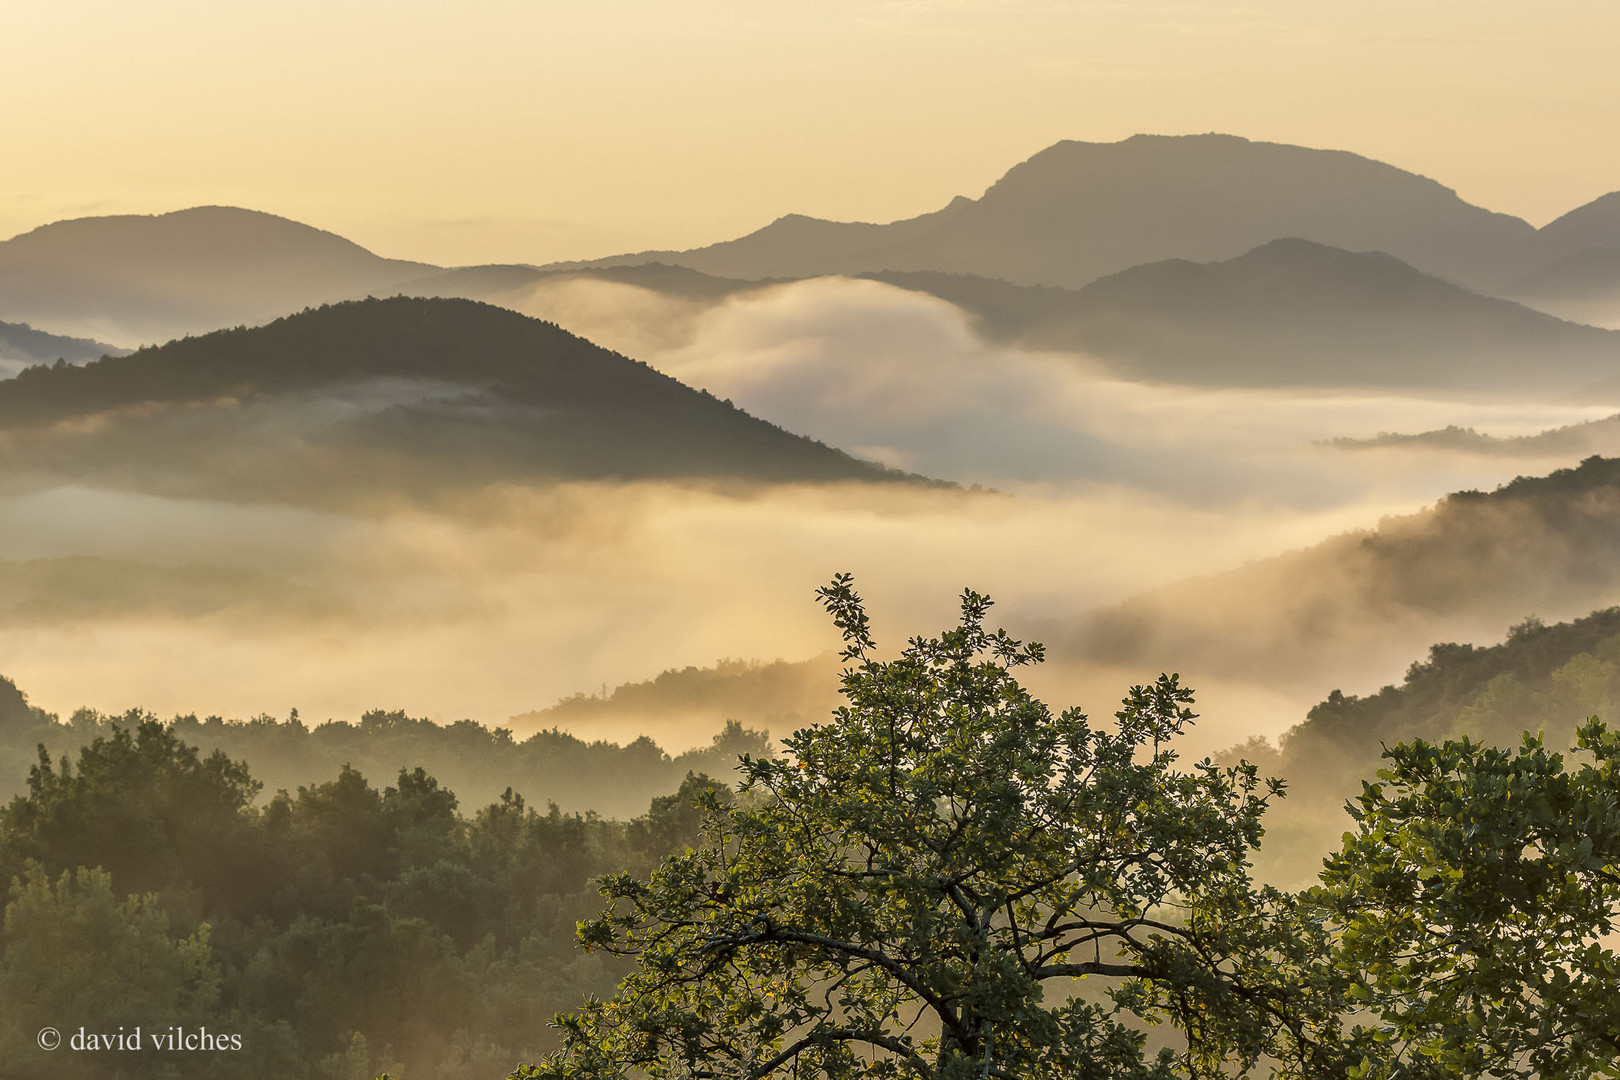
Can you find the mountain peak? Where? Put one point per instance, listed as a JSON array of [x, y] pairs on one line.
[[133, 278], [1078, 211]]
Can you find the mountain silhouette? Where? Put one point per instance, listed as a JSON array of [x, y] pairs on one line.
[[1078, 211], [1567, 442], [1290, 313], [1584, 287], [147, 278], [411, 396], [1573, 268], [1594, 225], [1293, 313]]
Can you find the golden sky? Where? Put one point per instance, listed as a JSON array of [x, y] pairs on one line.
[[531, 130]]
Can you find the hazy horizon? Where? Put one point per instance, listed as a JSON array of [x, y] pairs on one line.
[[513, 132]]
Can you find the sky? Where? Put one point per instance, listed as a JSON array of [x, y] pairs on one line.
[[533, 130]]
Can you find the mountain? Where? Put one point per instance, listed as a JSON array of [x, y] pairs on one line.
[[1594, 225], [1573, 267], [1078, 211], [1355, 607], [21, 345], [1292, 313], [1584, 286], [146, 278], [1539, 677], [1568, 442], [411, 396]]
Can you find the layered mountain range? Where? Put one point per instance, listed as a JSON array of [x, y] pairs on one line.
[[1071, 215]]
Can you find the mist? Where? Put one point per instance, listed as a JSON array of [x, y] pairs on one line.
[[488, 597]]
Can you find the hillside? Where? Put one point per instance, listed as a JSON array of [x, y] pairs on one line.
[[1539, 677], [1292, 313], [1078, 211], [1583, 286], [136, 279], [369, 397], [1570, 441], [781, 696], [1593, 225], [1573, 267], [1354, 609]]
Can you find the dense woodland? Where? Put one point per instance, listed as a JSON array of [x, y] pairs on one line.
[[1544, 678], [351, 925], [1371, 600], [353, 915], [474, 761]]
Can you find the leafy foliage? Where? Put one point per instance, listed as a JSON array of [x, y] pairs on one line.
[[916, 889], [1477, 901], [338, 929]]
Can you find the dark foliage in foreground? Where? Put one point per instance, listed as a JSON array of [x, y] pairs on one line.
[[339, 930]]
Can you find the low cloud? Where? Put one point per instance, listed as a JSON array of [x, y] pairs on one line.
[[497, 597]]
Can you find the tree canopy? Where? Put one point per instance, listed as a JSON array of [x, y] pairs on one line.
[[917, 886], [949, 880]]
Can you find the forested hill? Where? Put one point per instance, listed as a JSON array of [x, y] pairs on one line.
[[1541, 678], [388, 395], [1357, 607], [361, 922]]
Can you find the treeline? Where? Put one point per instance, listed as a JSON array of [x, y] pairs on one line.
[[1541, 678], [475, 761], [1365, 601], [337, 930]]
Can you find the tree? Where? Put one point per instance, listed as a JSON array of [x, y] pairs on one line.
[[1474, 904], [73, 950], [932, 883], [145, 806]]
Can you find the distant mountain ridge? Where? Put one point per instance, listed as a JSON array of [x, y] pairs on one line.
[[1292, 313], [1568, 442], [1078, 211], [147, 278], [1070, 215]]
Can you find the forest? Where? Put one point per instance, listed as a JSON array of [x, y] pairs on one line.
[[341, 929], [988, 886]]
